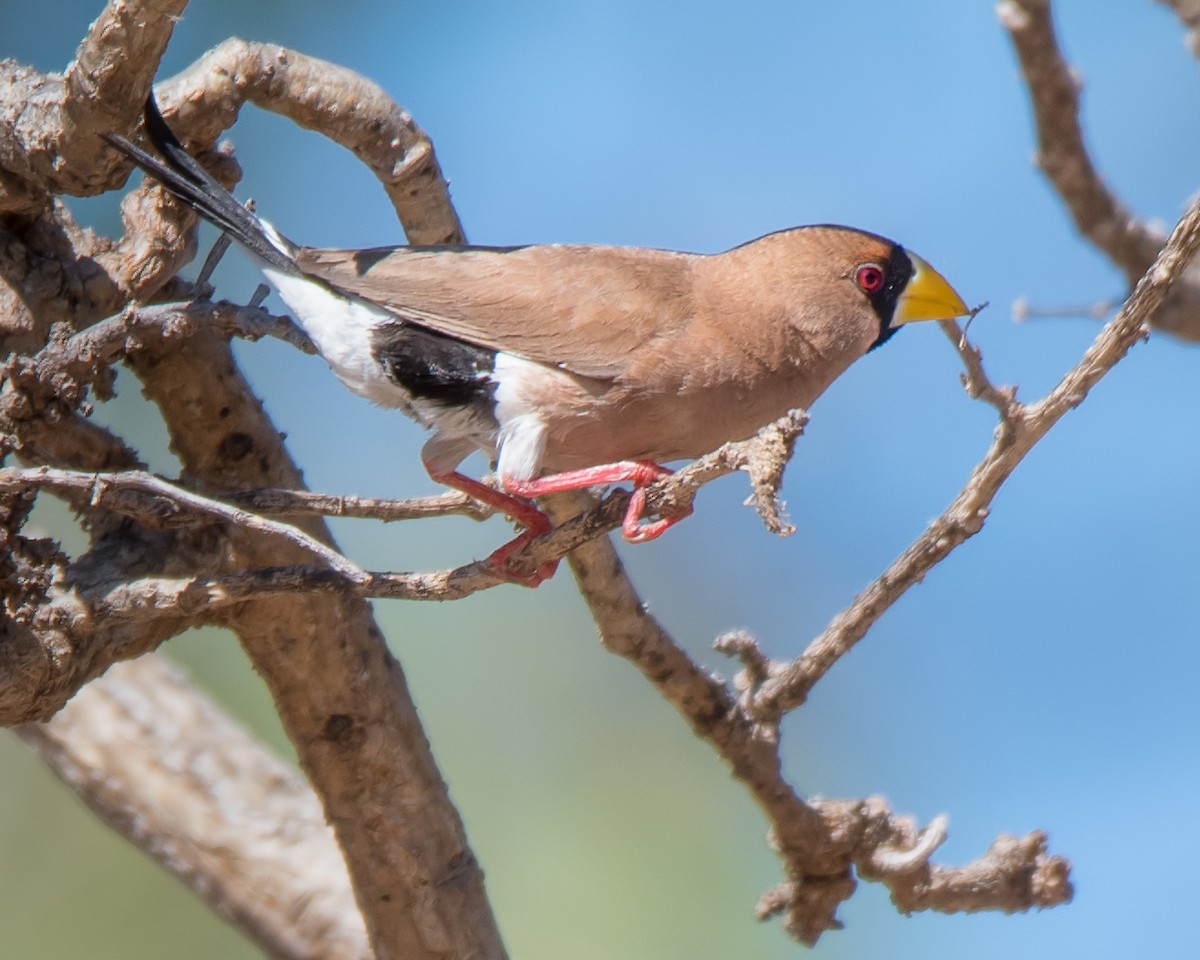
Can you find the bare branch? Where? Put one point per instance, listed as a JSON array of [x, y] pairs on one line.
[[1063, 157], [1017, 433], [1189, 12], [193, 790], [975, 379], [40, 394], [49, 123], [100, 609], [204, 100], [156, 502], [763, 456], [387, 510], [204, 288], [1016, 873], [756, 668], [1023, 310], [820, 842], [116, 598]]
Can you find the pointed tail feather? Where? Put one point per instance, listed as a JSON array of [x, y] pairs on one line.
[[183, 175]]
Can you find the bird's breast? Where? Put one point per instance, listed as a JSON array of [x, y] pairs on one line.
[[573, 422]]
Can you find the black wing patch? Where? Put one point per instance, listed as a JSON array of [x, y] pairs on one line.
[[432, 366]]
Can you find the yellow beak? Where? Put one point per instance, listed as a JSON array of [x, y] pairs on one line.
[[927, 297]]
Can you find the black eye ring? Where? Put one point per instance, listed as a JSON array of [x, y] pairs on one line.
[[870, 278]]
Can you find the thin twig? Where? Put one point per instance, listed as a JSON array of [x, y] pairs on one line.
[[259, 297], [273, 501], [820, 842], [1023, 311], [256, 846], [975, 379], [61, 370], [1062, 154], [204, 288], [204, 100], [1025, 426], [1189, 12], [152, 500]]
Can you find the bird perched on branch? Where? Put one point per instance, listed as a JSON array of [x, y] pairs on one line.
[[573, 365]]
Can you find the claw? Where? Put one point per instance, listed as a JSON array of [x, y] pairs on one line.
[[636, 530], [497, 562], [525, 513], [641, 472]]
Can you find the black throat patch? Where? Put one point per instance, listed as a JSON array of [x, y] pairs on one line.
[[897, 272]]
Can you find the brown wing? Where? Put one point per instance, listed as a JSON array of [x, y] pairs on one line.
[[586, 309]]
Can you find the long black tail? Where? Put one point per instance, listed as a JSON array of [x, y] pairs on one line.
[[195, 186]]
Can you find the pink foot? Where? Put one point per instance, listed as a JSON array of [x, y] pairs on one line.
[[636, 530], [641, 472], [525, 513], [498, 561]]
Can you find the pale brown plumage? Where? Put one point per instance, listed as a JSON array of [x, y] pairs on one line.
[[652, 354], [595, 364], [600, 311]]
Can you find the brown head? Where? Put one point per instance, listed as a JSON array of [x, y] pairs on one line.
[[844, 288], [789, 312]]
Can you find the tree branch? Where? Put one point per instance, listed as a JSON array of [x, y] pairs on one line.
[[1022, 427], [49, 123], [356, 732], [974, 379], [819, 841], [156, 502], [388, 510], [204, 100], [1063, 156], [1189, 12], [211, 804], [110, 607]]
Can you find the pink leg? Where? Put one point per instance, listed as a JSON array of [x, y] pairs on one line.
[[525, 513], [641, 472]]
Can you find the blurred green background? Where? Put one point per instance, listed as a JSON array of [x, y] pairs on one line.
[[1044, 677]]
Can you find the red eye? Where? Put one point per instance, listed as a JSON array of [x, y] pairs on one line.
[[869, 278]]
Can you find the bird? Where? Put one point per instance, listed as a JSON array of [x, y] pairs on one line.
[[575, 365]]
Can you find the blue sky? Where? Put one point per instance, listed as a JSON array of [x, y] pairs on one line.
[[1043, 677]]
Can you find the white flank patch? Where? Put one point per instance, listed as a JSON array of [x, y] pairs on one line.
[[340, 327], [522, 439]]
